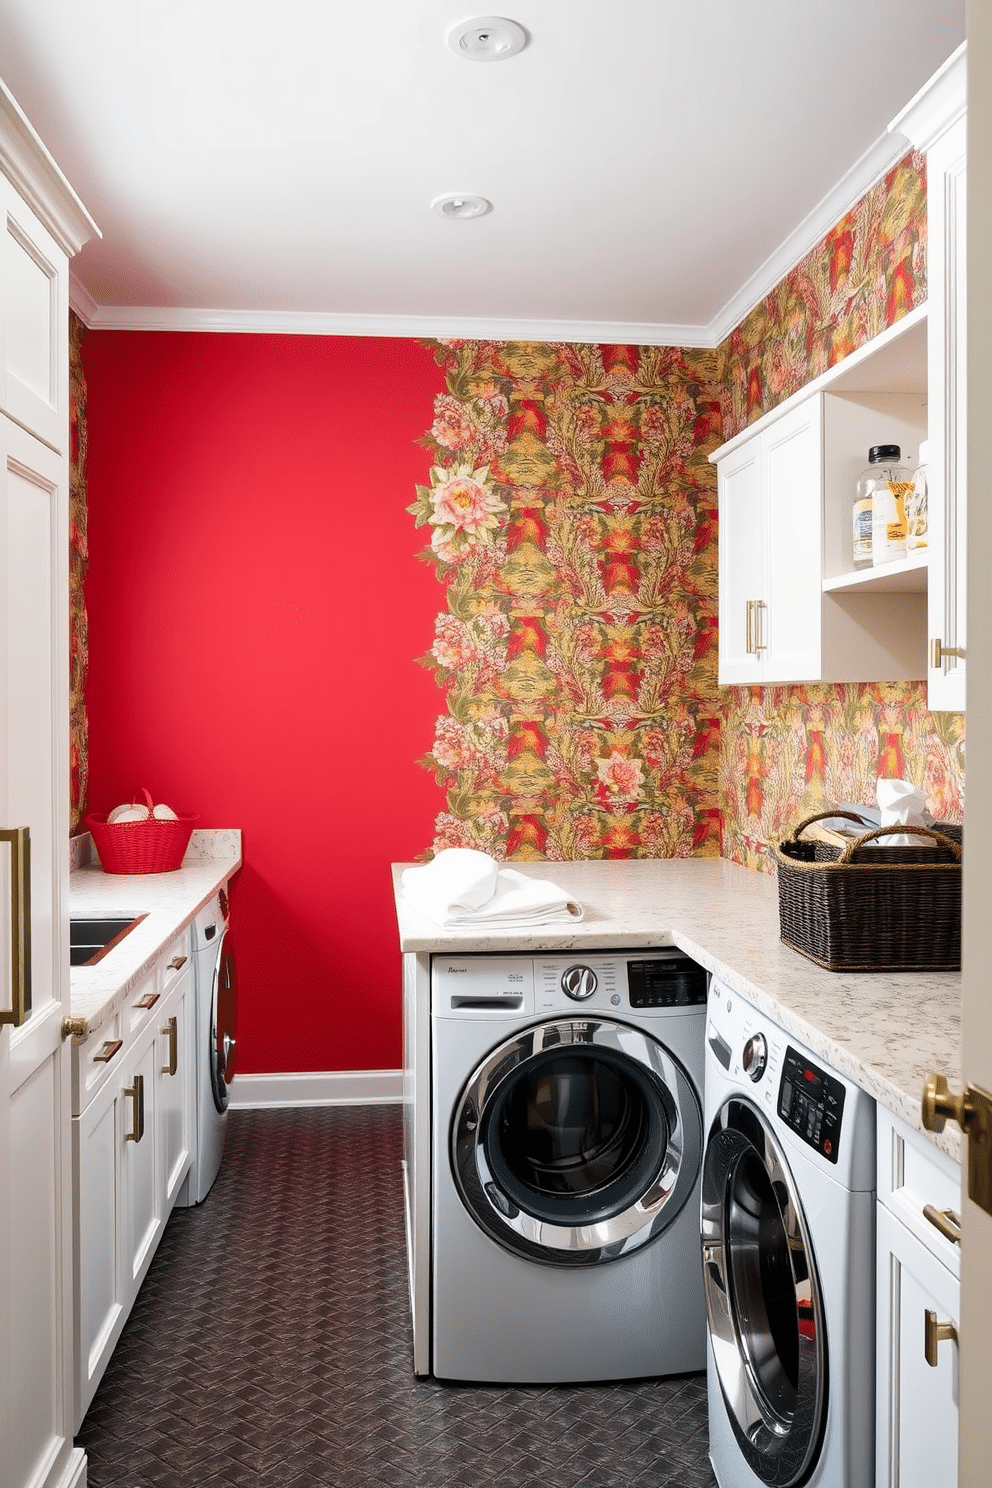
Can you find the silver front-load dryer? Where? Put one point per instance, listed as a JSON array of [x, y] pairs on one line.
[[566, 1124]]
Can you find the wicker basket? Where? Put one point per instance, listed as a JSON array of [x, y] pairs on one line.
[[872, 908], [150, 846]]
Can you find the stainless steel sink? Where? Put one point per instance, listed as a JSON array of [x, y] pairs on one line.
[[91, 937]]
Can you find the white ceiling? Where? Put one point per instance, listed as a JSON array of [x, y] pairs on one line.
[[654, 165]]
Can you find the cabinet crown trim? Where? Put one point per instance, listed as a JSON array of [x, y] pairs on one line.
[[37, 178], [939, 104]]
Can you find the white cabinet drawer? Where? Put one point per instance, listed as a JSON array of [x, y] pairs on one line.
[[94, 1059], [914, 1176]]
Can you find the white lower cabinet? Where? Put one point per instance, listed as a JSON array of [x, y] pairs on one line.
[[133, 1118], [918, 1310]]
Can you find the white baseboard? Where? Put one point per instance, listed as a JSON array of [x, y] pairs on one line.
[[329, 1088]]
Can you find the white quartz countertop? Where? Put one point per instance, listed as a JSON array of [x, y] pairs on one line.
[[885, 1031], [169, 901]]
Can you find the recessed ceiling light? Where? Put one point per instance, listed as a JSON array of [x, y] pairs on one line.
[[487, 39], [457, 206]]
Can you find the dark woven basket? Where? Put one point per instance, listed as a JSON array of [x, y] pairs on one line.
[[872, 908]]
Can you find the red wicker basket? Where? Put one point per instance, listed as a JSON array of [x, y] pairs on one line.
[[150, 846]]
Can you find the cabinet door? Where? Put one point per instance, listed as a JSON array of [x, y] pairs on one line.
[[35, 1097], [174, 1069], [947, 376], [34, 314], [741, 564], [792, 473], [917, 1417], [141, 1187], [102, 1287]]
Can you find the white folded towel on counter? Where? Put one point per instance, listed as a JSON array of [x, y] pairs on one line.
[[464, 888]]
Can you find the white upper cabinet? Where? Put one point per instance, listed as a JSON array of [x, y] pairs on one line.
[[935, 123], [792, 608]]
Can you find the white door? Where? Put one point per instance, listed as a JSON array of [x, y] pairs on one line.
[[35, 1158], [976, 1248]]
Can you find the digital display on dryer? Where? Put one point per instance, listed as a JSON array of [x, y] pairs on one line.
[[812, 1103]]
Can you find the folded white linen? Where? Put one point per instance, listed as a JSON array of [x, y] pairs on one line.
[[462, 887]]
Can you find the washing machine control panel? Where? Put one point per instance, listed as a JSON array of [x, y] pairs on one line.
[[812, 1103], [667, 981]]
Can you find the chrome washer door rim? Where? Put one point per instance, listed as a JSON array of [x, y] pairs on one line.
[[779, 1430], [658, 1200]]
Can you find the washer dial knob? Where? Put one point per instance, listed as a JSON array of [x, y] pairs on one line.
[[579, 982], [755, 1057]]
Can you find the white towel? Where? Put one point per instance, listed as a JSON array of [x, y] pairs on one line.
[[464, 888]]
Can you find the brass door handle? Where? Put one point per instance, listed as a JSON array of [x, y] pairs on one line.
[[934, 1334], [19, 841], [171, 1031], [972, 1110], [944, 1220], [939, 1105], [136, 1093], [749, 627]]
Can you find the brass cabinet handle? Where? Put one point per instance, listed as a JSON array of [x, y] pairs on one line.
[[749, 627], [938, 651], [149, 1000], [176, 962], [972, 1110], [759, 626], [934, 1334], [136, 1093], [19, 840], [171, 1030], [108, 1050], [944, 1220]]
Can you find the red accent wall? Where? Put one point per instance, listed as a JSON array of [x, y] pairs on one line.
[[255, 614]]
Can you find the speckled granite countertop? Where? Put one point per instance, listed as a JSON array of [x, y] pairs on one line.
[[170, 902], [885, 1031]]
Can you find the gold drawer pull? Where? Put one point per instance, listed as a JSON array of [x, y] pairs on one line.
[[171, 1031], [148, 1001], [934, 1334], [136, 1093], [944, 1220], [108, 1050], [176, 962]]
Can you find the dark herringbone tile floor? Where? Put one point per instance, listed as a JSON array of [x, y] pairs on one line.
[[270, 1348]]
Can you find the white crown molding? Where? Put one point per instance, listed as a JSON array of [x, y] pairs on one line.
[[319, 323], [936, 99], [38, 180], [940, 103], [863, 175], [331, 1088], [81, 301]]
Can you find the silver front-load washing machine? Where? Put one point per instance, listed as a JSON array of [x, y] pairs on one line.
[[566, 1143]]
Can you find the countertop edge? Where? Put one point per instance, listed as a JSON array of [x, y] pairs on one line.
[[737, 938]]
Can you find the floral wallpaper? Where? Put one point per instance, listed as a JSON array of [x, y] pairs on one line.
[[78, 559], [571, 510], [572, 517], [790, 751]]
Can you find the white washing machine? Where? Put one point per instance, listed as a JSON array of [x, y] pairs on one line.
[[788, 1224], [215, 1029], [566, 1142]]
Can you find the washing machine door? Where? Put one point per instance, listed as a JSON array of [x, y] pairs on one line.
[[763, 1299], [576, 1141]]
